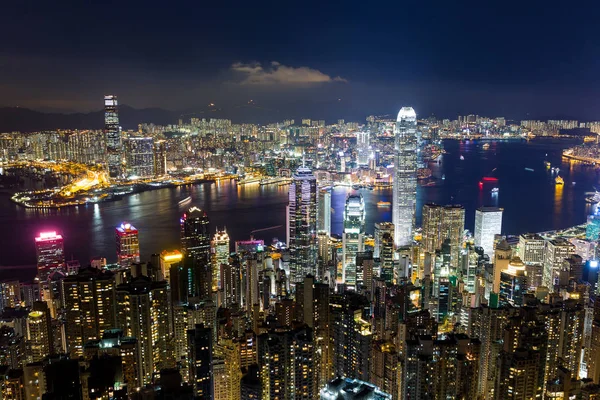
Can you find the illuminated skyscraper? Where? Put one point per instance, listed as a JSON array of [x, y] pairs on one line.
[[324, 210], [488, 223], [160, 158], [441, 223], [50, 253], [39, 332], [405, 179], [195, 239], [381, 228], [90, 307], [114, 145], [362, 147], [532, 248], [220, 251], [557, 250], [302, 225], [352, 239], [140, 157], [128, 245]]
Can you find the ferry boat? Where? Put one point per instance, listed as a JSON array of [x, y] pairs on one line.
[[495, 190], [486, 146], [384, 204], [529, 169], [559, 181]]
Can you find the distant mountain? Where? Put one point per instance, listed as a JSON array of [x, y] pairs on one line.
[[27, 120]]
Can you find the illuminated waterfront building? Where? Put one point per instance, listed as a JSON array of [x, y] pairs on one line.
[[195, 239], [50, 254], [90, 307], [302, 225], [160, 158], [353, 237], [488, 223], [112, 131], [324, 211], [405, 176], [143, 313], [140, 157], [128, 245]]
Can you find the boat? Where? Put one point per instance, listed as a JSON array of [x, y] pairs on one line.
[[495, 190], [443, 177], [462, 158], [529, 169], [547, 164], [384, 204], [356, 187], [595, 199], [486, 146], [185, 200], [559, 181]]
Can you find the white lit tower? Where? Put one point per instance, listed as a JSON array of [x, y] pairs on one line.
[[302, 225], [114, 145], [353, 238], [405, 179]]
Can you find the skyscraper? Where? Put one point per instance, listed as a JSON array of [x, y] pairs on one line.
[[220, 250], [380, 229], [441, 223], [140, 157], [160, 158], [195, 239], [488, 223], [362, 147], [50, 253], [405, 179], [302, 225], [352, 239], [114, 145], [128, 245], [324, 211], [39, 332]]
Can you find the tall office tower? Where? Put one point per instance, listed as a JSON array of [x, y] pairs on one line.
[[302, 225], [226, 370], [195, 239], [442, 369], [160, 158], [353, 238], [220, 251], [488, 326], [441, 223], [386, 256], [128, 245], [39, 332], [351, 334], [380, 229], [251, 295], [362, 147], [442, 290], [405, 176], [313, 300], [352, 389], [287, 367], [143, 312], [168, 260], [488, 223], [112, 131], [572, 316], [385, 368], [231, 282], [50, 254], [200, 345], [324, 211], [90, 307], [502, 256], [140, 157], [532, 248], [557, 250], [470, 266], [513, 283]]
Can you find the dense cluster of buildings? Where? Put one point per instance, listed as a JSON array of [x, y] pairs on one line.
[[409, 313]]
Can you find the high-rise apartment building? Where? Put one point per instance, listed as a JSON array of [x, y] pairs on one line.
[[140, 157], [353, 238], [39, 332], [112, 131], [488, 223], [50, 251], [405, 176], [128, 244], [90, 307], [441, 223], [302, 225], [557, 250]]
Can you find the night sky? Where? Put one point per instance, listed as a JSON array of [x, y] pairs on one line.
[[316, 59]]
